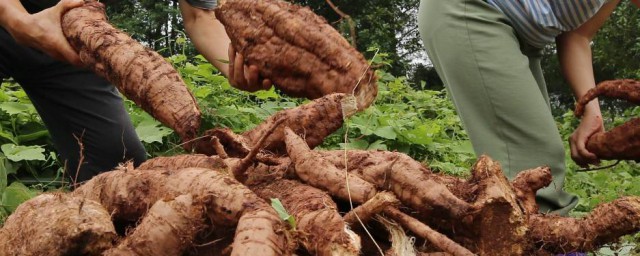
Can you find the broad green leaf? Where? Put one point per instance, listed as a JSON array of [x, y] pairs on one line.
[[377, 145], [355, 144], [181, 40], [19, 153], [419, 135], [202, 91], [282, 212], [8, 136], [386, 132], [15, 108], [266, 95], [15, 194], [150, 131], [463, 147]]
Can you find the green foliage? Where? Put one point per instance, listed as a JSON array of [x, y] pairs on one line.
[[282, 212]]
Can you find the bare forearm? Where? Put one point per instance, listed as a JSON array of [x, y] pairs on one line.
[[574, 52], [11, 12], [207, 34]]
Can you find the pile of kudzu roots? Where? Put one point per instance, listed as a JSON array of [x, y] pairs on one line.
[[218, 200]]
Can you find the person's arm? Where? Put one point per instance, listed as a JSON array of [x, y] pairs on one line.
[[40, 30], [211, 40], [574, 51]]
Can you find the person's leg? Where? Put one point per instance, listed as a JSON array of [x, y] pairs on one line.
[[85, 114], [477, 54]]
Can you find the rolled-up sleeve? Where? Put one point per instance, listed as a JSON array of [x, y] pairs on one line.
[[203, 4]]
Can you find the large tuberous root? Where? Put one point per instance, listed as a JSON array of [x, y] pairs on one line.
[[57, 224], [225, 191], [605, 224], [320, 228], [167, 229], [621, 142], [141, 74], [315, 121], [313, 60], [225, 200]]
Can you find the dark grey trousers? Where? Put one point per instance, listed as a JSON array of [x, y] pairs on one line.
[[74, 102]]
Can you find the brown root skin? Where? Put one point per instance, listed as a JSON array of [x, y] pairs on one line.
[[314, 121], [142, 75], [404, 176], [298, 50], [424, 231], [259, 230], [57, 224], [239, 170], [605, 224], [317, 172], [620, 143], [527, 183], [126, 193], [183, 161], [499, 225], [129, 193], [167, 229], [625, 89], [320, 228], [371, 208]]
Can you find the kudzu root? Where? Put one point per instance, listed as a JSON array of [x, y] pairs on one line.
[[141, 74], [298, 50]]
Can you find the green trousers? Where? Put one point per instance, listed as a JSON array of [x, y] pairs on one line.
[[497, 87]]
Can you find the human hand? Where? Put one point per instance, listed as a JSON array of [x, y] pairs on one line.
[[243, 77], [590, 124], [43, 31]]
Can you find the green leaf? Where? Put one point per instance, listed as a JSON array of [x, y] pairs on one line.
[[265, 95], [150, 131], [377, 145], [8, 136], [282, 212], [355, 144], [386, 132], [32, 136], [181, 40], [19, 153], [15, 194], [15, 108]]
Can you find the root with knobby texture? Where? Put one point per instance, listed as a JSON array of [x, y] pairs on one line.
[[167, 229], [315, 171], [625, 89], [404, 176], [129, 193], [605, 224], [427, 233], [527, 183], [298, 50], [314, 120], [183, 161], [496, 205], [621, 142], [57, 224], [320, 228], [371, 208], [141, 74]]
